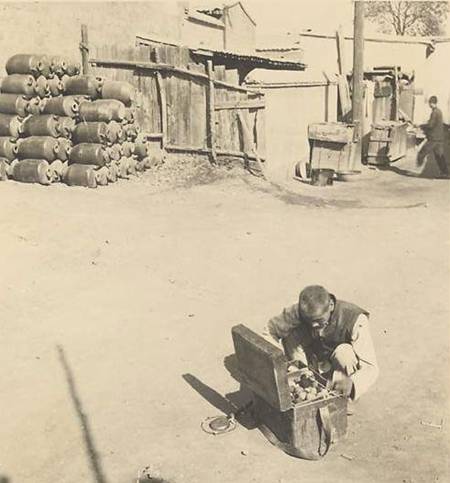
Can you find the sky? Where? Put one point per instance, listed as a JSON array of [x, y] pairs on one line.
[[322, 16]]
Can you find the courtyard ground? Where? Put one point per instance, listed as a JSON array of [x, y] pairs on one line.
[[117, 306]]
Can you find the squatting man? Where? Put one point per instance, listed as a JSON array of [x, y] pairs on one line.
[[330, 336]]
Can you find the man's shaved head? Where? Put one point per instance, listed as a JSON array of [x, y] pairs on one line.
[[313, 301]]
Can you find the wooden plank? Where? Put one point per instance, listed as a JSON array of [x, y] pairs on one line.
[[241, 104], [344, 96], [222, 121], [161, 66], [219, 152], [340, 43], [197, 112], [163, 106], [260, 121], [236, 136], [211, 114], [157, 66]]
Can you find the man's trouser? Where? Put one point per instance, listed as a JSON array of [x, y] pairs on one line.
[[437, 148]]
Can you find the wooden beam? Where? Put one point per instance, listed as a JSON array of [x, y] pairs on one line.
[[340, 44], [211, 116], [399, 40], [157, 66], [84, 48], [163, 107], [205, 19], [153, 135], [283, 85], [244, 104], [358, 75], [219, 152], [235, 87]]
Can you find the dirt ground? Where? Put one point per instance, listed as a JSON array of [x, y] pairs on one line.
[[117, 306]]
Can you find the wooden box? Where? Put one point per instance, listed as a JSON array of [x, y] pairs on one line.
[[332, 146], [294, 427], [387, 142]]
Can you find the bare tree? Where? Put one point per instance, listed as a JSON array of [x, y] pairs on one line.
[[408, 18]]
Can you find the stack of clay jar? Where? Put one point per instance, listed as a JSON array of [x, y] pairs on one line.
[[36, 121], [104, 138]]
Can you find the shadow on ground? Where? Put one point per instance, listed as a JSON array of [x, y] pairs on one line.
[[237, 403], [91, 451]]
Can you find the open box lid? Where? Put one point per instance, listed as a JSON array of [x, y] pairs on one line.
[[263, 367]]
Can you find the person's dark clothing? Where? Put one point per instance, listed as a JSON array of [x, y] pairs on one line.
[[435, 133], [435, 126]]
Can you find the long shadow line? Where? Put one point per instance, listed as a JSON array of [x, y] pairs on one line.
[[93, 457]]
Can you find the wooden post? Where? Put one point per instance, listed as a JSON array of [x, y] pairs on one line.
[[211, 116], [340, 44], [249, 145], [358, 72], [84, 48], [396, 94]]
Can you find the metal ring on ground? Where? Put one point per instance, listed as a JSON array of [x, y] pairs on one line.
[[218, 425]]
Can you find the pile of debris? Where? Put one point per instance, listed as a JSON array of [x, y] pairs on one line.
[[57, 125]]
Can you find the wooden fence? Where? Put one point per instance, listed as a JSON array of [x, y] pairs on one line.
[[185, 105]]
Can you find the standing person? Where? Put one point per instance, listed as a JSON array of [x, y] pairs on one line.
[[331, 337], [435, 133]]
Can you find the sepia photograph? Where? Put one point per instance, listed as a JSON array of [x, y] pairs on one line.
[[225, 239]]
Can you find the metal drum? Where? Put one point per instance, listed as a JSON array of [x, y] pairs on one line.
[[112, 173], [128, 149], [66, 125], [32, 171], [55, 86], [114, 132], [10, 125], [72, 68], [140, 150], [35, 106], [121, 91], [39, 147], [86, 153], [132, 165], [18, 84], [114, 152], [86, 85], [130, 116], [65, 146], [8, 148], [4, 165], [81, 175], [102, 110], [90, 132], [41, 87], [58, 65], [58, 168], [34, 64], [41, 125], [122, 167], [62, 106], [14, 104], [131, 131]]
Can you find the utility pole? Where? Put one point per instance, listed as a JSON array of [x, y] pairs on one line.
[[358, 73]]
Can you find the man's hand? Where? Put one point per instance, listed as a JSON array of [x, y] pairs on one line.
[[343, 385]]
